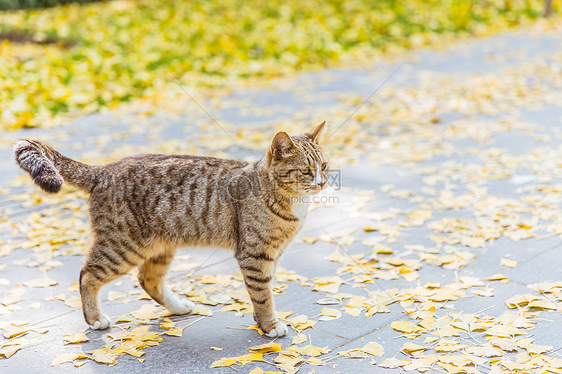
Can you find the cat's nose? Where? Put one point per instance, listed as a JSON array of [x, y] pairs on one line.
[[321, 184]]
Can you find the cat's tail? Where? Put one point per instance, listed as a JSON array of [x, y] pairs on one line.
[[49, 169]]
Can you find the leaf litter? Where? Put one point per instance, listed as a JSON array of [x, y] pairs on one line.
[[436, 334]]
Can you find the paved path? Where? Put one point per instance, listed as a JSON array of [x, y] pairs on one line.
[[436, 171]]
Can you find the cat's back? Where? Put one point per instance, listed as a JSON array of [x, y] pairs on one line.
[[151, 179], [147, 169], [172, 163], [174, 197]]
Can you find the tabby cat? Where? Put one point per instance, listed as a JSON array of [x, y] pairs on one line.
[[142, 208]]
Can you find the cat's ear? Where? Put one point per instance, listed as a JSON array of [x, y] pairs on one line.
[[316, 133], [280, 146]]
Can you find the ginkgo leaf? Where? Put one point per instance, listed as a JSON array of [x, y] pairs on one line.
[[406, 327], [67, 357], [430, 339], [284, 315], [503, 343], [139, 333], [315, 361], [422, 364], [124, 319], [486, 292], [328, 301], [7, 352], [309, 240], [354, 353], [504, 331], [486, 350], [393, 363], [301, 338], [41, 282], [309, 350], [130, 347], [12, 331], [377, 308], [535, 349], [73, 302], [220, 299], [496, 277], [452, 369], [445, 345], [114, 295], [373, 348], [409, 348], [260, 371], [104, 356], [327, 284], [257, 328], [177, 331], [519, 300], [508, 263], [266, 348], [202, 311], [167, 324], [287, 362], [411, 276], [249, 357], [300, 323], [235, 307], [147, 311], [224, 362], [75, 338], [327, 314], [542, 304]]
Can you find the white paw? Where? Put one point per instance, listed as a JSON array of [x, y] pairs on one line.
[[279, 330], [179, 306], [103, 323]]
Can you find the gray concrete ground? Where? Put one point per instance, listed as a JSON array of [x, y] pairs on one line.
[[537, 169]]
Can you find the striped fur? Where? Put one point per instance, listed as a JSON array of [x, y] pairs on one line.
[[142, 208]]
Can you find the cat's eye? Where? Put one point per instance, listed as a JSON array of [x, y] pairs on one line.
[[324, 165], [305, 171]]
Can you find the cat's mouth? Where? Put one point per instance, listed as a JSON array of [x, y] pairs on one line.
[[313, 190]]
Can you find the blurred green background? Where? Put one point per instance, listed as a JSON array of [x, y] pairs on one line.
[[67, 60]]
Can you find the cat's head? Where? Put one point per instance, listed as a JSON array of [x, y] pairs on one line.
[[298, 164]]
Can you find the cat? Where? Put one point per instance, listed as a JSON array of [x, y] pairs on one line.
[[142, 208]]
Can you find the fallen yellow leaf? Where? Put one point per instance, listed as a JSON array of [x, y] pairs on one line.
[[104, 356], [405, 327], [265, 348], [309, 350], [41, 283], [75, 338], [508, 263], [300, 338], [147, 311], [67, 357], [178, 331], [229, 361]]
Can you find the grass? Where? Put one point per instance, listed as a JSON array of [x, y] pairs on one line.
[[103, 54]]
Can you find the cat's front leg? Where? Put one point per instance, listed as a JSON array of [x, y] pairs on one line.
[[258, 271]]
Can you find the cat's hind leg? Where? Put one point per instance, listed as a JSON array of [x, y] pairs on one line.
[[151, 278], [105, 263]]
